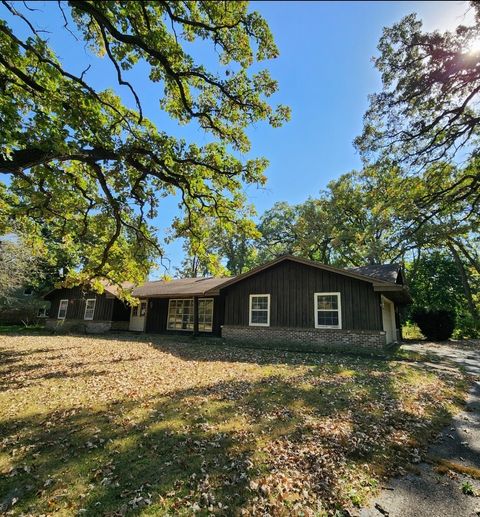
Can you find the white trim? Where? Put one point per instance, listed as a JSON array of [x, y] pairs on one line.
[[250, 323], [193, 314], [168, 315], [59, 308], [213, 311], [316, 309], [94, 300], [137, 322], [391, 316]]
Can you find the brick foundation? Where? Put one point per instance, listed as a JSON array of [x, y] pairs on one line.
[[360, 341]]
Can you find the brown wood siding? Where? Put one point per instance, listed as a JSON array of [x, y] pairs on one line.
[[292, 286], [121, 311], [76, 297], [158, 311]]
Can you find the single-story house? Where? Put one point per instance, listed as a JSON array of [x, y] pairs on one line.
[[80, 308], [288, 300]]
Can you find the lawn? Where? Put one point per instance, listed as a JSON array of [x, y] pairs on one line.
[[124, 425]]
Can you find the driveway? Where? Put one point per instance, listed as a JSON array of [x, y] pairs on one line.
[[427, 492]]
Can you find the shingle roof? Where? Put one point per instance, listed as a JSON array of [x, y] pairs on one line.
[[386, 272], [114, 290], [178, 287]]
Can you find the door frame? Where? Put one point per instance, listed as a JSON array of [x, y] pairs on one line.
[[144, 322], [388, 320]]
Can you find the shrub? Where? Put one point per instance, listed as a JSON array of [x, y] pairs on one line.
[[436, 325]]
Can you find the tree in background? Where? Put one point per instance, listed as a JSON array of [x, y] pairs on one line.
[[89, 172], [436, 284], [24, 278], [218, 247], [428, 109]]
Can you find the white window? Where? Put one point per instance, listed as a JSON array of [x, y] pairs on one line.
[[205, 314], [42, 312], [180, 314], [135, 311], [62, 309], [143, 308], [259, 310], [328, 311], [89, 309]]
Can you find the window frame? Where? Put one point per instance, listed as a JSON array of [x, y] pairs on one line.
[[267, 310], [94, 300], [316, 310], [60, 308], [193, 314], [213, 309], [170, 300]]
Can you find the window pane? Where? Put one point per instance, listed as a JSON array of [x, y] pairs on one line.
[[180, 315], [260, 317], [62, 309], [205, 315], [89, 309], [260, 302], [143, 308], [327, 302], [329, 318]]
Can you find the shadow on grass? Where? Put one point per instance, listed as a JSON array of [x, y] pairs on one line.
[[269, 445]]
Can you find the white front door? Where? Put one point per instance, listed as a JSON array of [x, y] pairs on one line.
[[388, 317], [138, 316]]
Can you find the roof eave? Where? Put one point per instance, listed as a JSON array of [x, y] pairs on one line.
[[400, 292], [171, 295]]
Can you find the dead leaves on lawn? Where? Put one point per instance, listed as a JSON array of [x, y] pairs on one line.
[[120, 426]]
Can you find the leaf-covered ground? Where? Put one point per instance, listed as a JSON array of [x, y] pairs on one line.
[[124, 425]]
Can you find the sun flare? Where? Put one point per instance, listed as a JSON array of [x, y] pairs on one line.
[[474, 47]]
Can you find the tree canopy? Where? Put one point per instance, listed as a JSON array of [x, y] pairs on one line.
[[87, 171], [428, 109]]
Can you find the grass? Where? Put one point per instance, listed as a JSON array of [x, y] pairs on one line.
[[15, 329], [124, 425]]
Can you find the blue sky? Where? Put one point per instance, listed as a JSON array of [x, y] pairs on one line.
[[325, 74]]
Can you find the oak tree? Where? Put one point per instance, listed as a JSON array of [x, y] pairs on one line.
[[87, 170], [428, 109]]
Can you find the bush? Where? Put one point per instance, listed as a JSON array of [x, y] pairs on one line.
[[436, 325]]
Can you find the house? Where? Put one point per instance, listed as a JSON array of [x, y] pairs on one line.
[[287, 300], [80, 308]]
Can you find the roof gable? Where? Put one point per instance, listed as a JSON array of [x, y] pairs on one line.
[[352, 274], [387, 272]]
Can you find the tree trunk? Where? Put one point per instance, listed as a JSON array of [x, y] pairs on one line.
[[475, 264], [466, 286]]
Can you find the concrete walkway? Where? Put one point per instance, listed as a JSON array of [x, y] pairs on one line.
[[429, 493]]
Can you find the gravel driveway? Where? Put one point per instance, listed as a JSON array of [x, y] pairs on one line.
[[427, 492]]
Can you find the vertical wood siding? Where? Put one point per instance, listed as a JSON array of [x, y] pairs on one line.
[[77, 297], [121, 311], [292, 286]]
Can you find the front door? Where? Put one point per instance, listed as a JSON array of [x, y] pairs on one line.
[[138, 316], [388, 317]]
